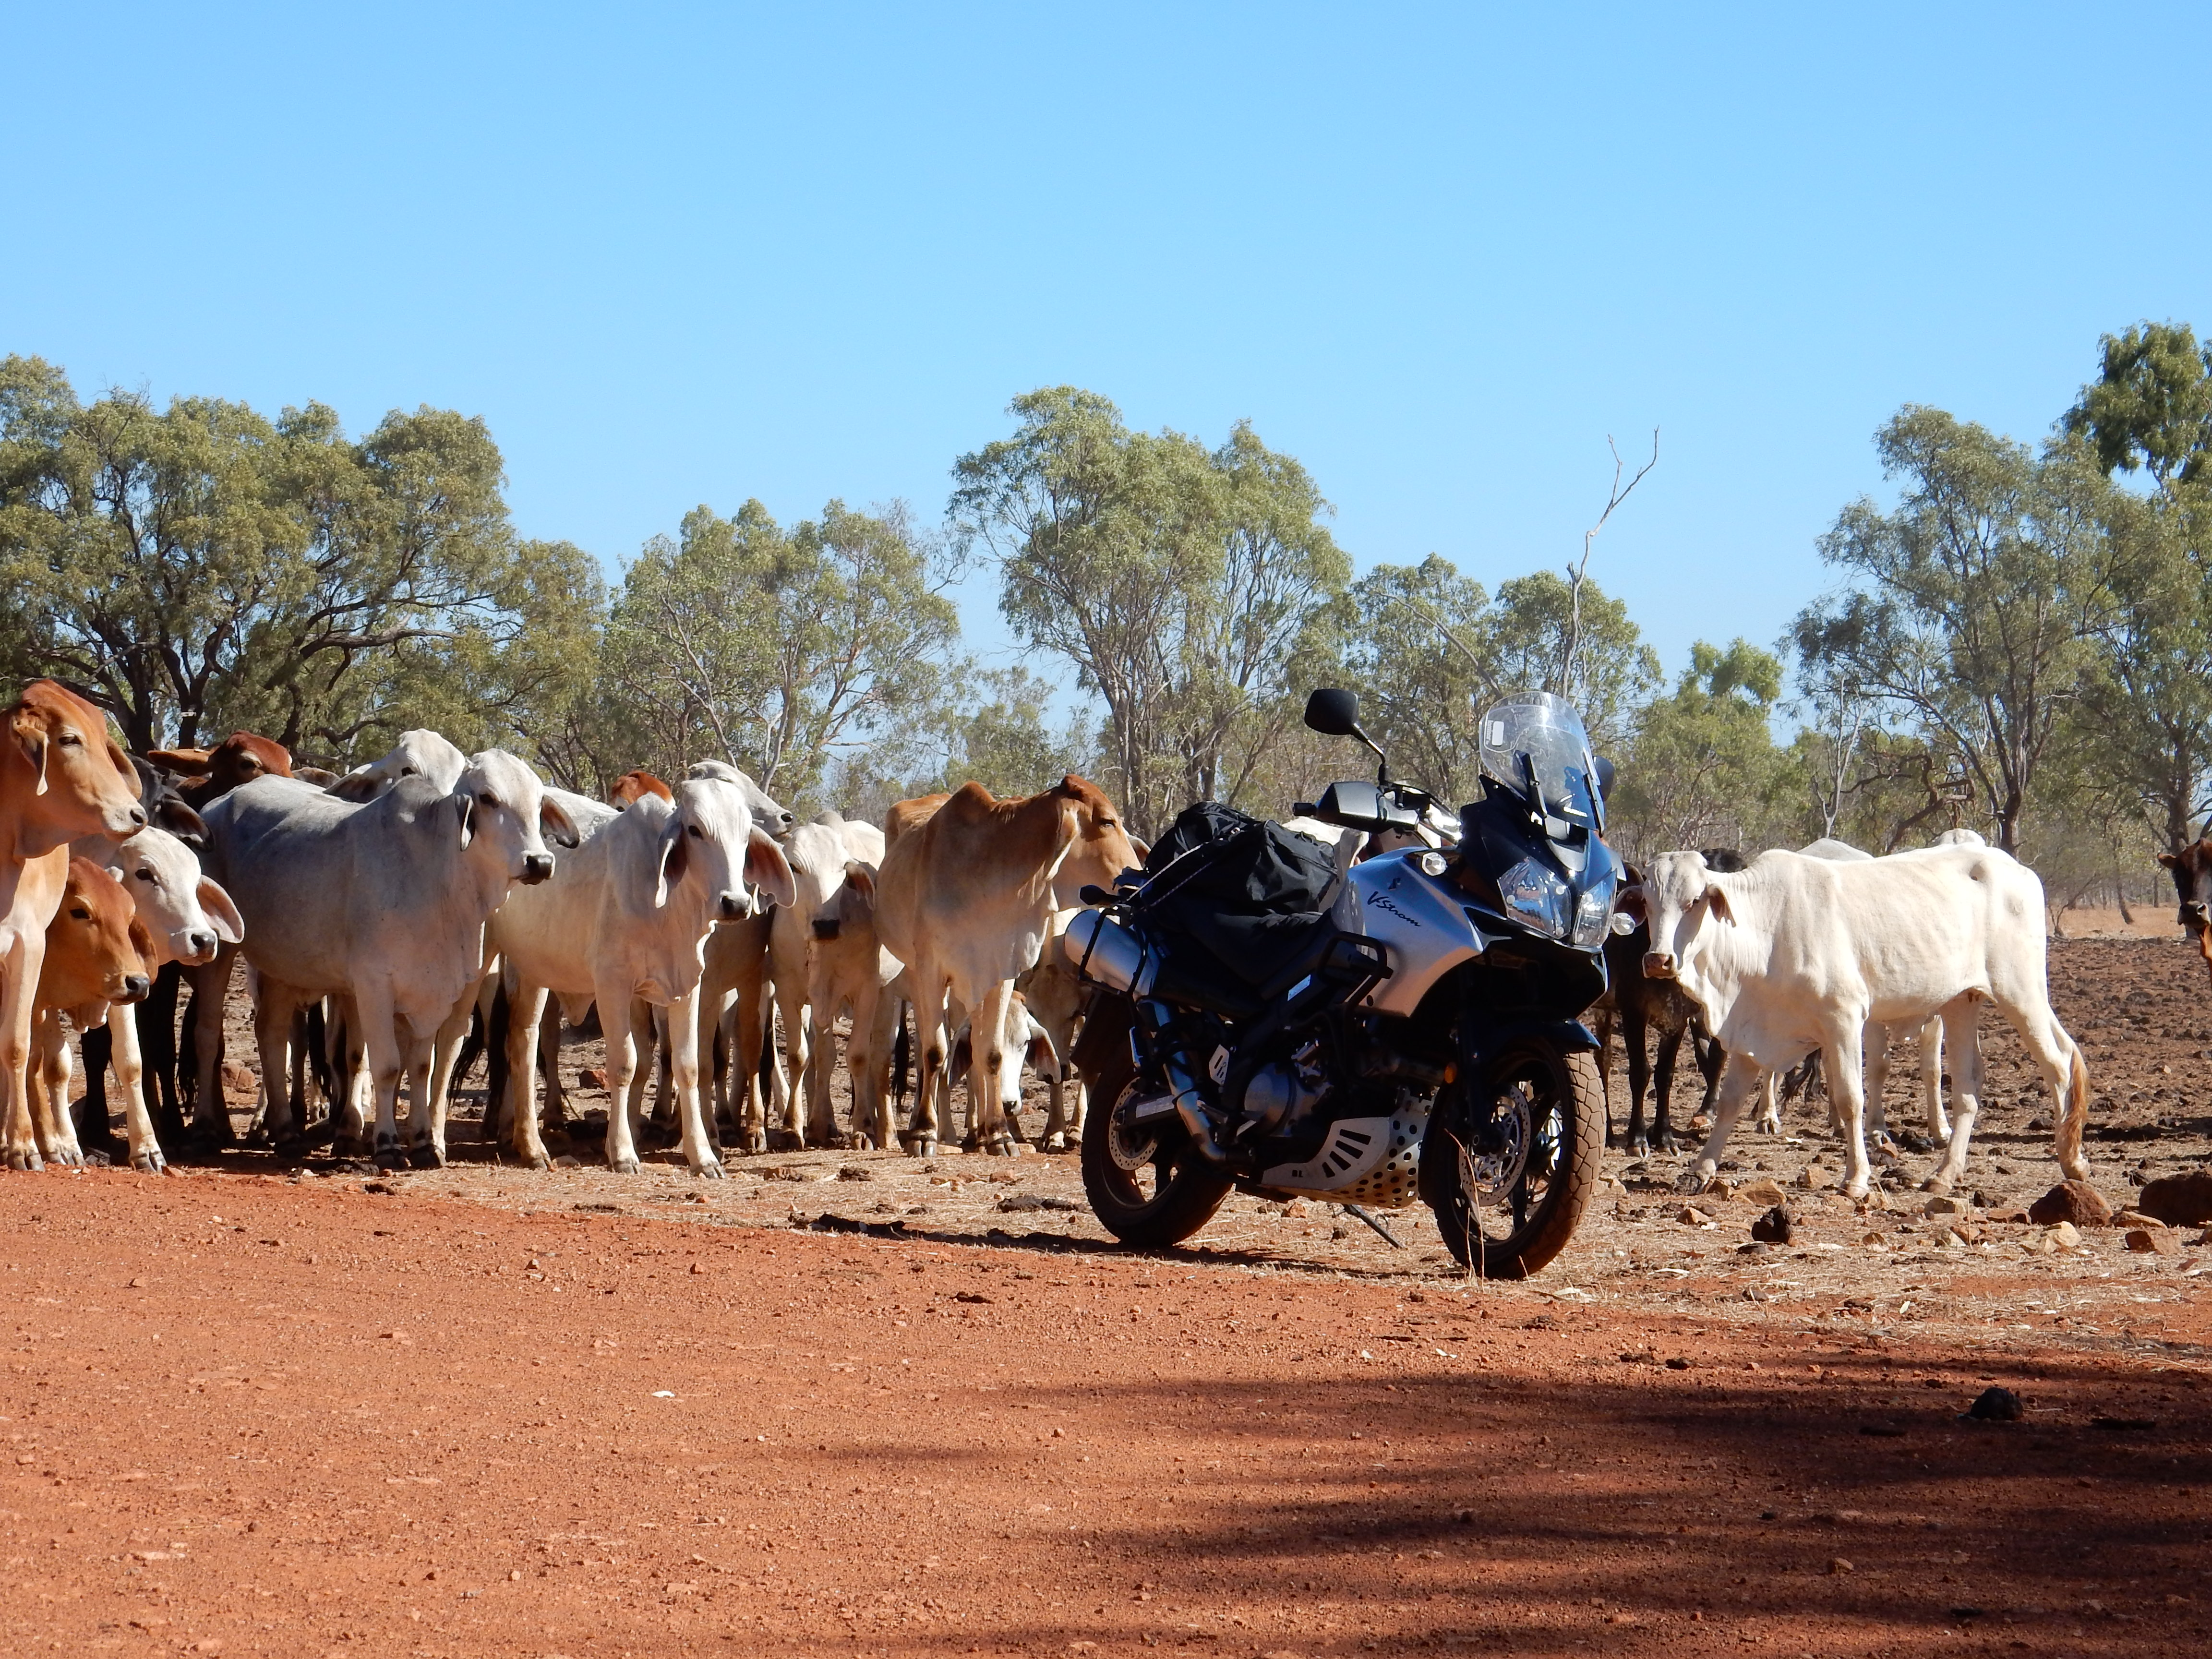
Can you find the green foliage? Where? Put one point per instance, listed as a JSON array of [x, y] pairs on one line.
[[1186, 586], [1428, 650], [1972, 600], [773, 649], [203, 568], [1703, 769]]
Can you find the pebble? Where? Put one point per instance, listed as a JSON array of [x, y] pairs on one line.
[[1692, 1216], [1764, 1192], [1995, 1405], [2153, 1241]]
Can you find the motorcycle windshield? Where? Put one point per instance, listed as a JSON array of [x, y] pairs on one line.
[[1538, 738]]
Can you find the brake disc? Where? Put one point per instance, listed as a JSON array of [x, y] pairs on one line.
[[1488, 1175], [1132, 1145]]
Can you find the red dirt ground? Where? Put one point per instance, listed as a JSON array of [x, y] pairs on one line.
[[487, 1411], [250, 1417]]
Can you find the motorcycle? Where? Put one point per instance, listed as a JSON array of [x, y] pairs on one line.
[[1403, 1031]]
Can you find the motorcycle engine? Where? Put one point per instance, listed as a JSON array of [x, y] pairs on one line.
[[1282, 1092]]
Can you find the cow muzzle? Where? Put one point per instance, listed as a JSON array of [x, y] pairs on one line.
[[536, 867], [135, 988], [1658, 965], [826, 926], [733, 907], [200, 948]]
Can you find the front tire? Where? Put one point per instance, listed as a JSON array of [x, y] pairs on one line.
[[1169, 1196], [1511, 1164]]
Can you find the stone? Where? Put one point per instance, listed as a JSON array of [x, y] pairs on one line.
[[2153, 1241], [856, 1172], [591, 1077], [2135, 1219], [2064, 1234], [1943, 1207], [1719, 1187], [2076, 1202], [1995, 1405], [1837, 1565], [1692, 1216], [2180, 1201], [1774, 1227], [1807, 1178], [1765, 1193], [237, 1080]]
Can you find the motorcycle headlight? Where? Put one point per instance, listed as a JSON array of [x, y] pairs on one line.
[[1537, 899], [1593, 911]]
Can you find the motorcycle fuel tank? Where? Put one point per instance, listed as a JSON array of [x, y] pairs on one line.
[[1420, 919]]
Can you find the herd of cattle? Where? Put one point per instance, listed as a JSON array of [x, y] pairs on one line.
[[386, 914]]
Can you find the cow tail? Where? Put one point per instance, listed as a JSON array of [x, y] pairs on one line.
[[2076, 1117]]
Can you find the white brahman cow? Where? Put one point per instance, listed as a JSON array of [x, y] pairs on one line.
[[1797, 952]]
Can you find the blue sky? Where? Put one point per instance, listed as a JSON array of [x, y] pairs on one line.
[[676, 255]]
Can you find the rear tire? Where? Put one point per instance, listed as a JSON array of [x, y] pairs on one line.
[[1558, 1099], [1182, 1192]]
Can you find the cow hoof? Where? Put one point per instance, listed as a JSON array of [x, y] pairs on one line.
[[426, 1157], [1937, 1183], [66, 1157], [150, 1164], [1057, 1142], [25, 1158], [624, 1165], [391, 1158], [924, 1146], [1637, 1146], [1692, 1181], [711, 1170]]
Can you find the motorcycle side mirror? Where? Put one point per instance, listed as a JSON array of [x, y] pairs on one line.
[[1333, 713], [1604, 778]]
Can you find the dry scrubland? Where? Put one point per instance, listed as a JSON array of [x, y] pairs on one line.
[[848, 1403]]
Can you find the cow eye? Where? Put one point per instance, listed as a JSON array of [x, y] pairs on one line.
[[693, 831], [80, 913], [490, 802], [406, 771], [70, 740], [146, 876]]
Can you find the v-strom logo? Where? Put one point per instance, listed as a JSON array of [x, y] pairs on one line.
[[1382, 902]]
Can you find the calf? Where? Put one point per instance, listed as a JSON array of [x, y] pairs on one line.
[[2191, 870], [628, 917], [211, 774], [61, 777], [965, 898], [1798, 952], [1639, 1004], [96, 951], [188, 918]]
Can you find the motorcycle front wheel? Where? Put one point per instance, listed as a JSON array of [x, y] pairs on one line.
[[1519, 1151], [1155, 1192]]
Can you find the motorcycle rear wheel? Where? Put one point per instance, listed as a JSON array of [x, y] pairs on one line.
[[1512, 1206], [1176, 1193]]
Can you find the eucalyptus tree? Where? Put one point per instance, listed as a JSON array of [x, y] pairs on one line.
[[1971, 601], [1184, 585], [200, 566]]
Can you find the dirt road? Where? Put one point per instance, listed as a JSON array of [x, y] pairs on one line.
[[247, 1415]]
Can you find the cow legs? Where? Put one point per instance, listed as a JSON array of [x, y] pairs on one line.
[[1739, 1079], [749, 1035], [1932, 1078], [48, 1076], [525, 1004], [1961, 1022], [1877, 1049], [378, 1034], [791, 1003], [1633, 1028], [867, 1063], [137, 1121], [273, 1009], [822, 1062], [93, 1134], [1663, 1088], [683, 1016], [934, 1043], [210, 989], [426, 1123], [1769, 1120], [644, 1032], [1844, 1055], [621, 1066], [987, 1060]]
